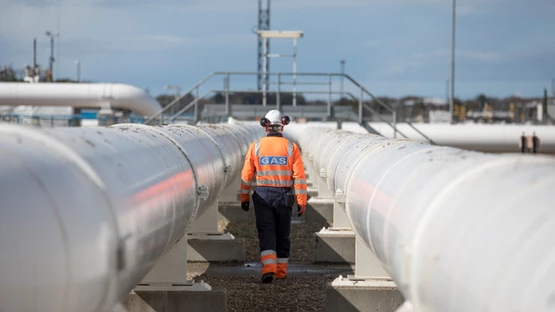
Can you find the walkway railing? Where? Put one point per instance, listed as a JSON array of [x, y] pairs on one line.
[[325, 87]]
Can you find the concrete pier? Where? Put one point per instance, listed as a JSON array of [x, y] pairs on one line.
[[195, 298], [334, 246], [206, 241], [211, 247], [319, 210], [376, 295]]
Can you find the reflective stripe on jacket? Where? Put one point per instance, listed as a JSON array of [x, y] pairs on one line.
[[276, 162]]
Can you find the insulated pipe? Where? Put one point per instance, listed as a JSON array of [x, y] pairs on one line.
[[84, 95], [87, 212], [457, 230], [489, 138], [496, 138]]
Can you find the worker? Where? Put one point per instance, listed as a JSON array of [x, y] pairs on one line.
[[280, 179], [535, 143]]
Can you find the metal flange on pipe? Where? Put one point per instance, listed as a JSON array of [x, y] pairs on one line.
[[457, 230], [86, 212]]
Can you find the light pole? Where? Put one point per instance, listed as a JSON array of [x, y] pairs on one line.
[[342, 74], [447, 91], [52, 36], [452, 98], [78, 63], [280, 34]]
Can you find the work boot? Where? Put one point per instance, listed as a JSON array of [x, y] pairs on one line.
[[281, 270], [267, 278]]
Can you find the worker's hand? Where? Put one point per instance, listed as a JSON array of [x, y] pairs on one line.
[[245, 206], [300, 210]]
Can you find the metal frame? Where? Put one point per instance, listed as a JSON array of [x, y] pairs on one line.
[[161, 119]]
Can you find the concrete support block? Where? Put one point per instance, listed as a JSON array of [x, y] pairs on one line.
[[197, 297], [334, 246], [319, 210], [312, 192], [369, 295], [215, 248], [340, 219], [367, 264], [206, 242], [207, 222], [231, 194], [232, 212], [171, 268]]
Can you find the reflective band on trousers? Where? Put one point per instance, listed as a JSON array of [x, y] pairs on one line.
[[269, 261], [274, 182], [267, 252], [285, 173], [282, 260]]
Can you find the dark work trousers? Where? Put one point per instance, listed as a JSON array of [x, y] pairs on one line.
[[272, 208]]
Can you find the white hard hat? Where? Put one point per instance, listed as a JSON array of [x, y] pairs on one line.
[[274, 118]]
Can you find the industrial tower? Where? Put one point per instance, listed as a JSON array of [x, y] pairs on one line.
[[263, 24]]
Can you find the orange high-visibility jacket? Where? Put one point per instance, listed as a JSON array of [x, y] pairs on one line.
[[277, 162]]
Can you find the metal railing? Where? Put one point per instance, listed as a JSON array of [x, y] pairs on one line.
[[178, 99], [162, 116]]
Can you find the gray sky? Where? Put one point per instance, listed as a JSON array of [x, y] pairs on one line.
[[394, 47]]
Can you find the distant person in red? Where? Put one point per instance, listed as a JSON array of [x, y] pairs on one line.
[[529, 143]]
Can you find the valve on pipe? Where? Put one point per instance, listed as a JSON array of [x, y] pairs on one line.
[[87, 212], [457, 230]]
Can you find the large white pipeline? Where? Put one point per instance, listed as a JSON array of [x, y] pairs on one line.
[[457, 230], [489, 138], [495, 138], [83, 95], [86, 212]]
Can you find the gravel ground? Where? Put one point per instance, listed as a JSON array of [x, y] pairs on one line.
[[297, 293], [246, 293], [301, 240]]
